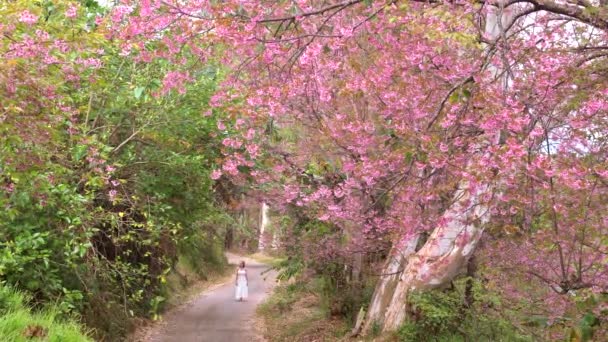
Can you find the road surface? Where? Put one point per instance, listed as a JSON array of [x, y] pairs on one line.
[[214, 316]]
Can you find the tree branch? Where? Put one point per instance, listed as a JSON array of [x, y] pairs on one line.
[[339, 6]]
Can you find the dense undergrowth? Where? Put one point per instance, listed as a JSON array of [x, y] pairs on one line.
[[314, 309], [453, 315]]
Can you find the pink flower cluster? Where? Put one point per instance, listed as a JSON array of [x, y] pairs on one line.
[[28, 17], [71, 12]]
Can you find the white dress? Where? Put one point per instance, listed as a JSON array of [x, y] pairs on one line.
[[241, 291]]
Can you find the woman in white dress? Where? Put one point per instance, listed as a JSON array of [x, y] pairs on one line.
[[241, 283]]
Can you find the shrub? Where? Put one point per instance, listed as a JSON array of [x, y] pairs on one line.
[[441, 315]]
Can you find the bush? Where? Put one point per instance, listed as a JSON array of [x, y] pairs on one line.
[[441, 315]]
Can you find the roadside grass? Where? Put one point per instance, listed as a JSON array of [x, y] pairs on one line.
[[18, 322], [295, 312], [273, 261]]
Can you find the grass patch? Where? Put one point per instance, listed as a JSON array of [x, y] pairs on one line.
[[19, 323]]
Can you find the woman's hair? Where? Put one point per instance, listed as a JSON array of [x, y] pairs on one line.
[[242, 264]]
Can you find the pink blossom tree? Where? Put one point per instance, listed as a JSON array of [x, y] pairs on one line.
[[420, 123]]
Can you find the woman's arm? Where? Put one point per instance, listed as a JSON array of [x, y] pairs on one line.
[[246, 279], [236, 278]]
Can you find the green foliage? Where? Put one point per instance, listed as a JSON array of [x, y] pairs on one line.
[[289, 268], [439, 313], [103, 191], [442, 315], [585, 328], [588, 317]]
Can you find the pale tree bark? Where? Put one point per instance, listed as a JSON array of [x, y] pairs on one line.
[[447, 250], [443, 256], [383, 294], [275, 241], [263, 226]]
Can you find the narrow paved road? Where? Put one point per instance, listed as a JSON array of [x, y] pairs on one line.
[[215, 316]]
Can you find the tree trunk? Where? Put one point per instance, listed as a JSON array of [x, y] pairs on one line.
[[357, 266], [469, 296], [443, 256], [387, 283], [229, 239], [263, 225]]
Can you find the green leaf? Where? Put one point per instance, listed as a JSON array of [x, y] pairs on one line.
[[589, 319], [137, 92], [79, 152]]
